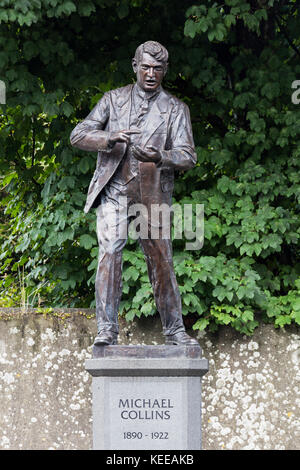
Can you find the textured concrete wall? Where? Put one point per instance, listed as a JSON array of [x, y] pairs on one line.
[[250, 394]]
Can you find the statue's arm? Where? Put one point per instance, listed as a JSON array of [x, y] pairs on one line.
[[182, 154], [89, 134]]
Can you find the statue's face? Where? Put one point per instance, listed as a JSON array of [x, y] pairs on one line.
[[149, 72]]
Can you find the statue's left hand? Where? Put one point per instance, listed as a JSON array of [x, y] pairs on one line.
[[149, 154]]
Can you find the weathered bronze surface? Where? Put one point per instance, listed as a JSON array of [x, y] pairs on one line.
[[142, 134]]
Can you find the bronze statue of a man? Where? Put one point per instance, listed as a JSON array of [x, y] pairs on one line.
[[142, 134]]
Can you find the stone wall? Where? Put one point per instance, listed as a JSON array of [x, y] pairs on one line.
[[250, 395]]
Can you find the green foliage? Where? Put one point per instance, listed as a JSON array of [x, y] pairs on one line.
[[233, 62]]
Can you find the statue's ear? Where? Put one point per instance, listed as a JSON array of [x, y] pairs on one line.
[[166, 68], [134, 65]]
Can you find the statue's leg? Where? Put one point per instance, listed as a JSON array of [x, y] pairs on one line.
[[112, 236], [158, 254]]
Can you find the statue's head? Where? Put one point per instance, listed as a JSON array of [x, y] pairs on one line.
[[150, 65]]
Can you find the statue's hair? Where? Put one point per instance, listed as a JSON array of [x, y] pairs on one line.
[[155, 49]]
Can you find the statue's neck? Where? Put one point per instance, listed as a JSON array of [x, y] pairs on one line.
[[145, 94]]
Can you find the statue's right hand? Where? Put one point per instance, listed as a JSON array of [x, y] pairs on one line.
[[121, 136]]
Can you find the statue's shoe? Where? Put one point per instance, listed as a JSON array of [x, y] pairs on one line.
[[181, 338], [105, 338]]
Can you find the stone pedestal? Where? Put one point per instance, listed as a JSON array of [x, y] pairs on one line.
[[147, 397]]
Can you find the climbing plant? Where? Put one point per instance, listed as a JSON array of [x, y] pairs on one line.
[[234, 63]]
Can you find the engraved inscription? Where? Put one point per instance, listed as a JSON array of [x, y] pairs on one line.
[[148, 414]]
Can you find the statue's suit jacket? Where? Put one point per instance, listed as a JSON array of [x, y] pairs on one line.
[[167, 127]]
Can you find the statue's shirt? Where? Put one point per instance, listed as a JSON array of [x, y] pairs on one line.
[[141, 104]]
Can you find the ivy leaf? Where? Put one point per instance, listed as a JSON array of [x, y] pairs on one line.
[[87, 241], [201, 324]]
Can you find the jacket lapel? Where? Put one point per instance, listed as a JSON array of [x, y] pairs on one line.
[[124, 107], [156, 117]]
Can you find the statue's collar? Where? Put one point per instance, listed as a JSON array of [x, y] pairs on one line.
[[145, 95], [161, 101]]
